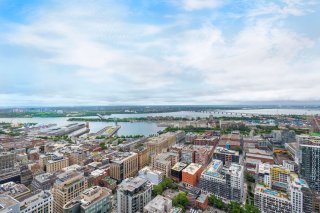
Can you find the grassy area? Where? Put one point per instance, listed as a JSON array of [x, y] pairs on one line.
[[315, 134]]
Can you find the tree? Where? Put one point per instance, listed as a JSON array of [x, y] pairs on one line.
[[157, 190], [103, 146], [249, 177], [251, 209], [180, 201]]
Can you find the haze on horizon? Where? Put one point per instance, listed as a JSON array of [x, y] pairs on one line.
[[123, 52]]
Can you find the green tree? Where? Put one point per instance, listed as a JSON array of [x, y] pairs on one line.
[[180, 201]]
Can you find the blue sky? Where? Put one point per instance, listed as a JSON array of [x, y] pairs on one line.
[[113, 52]]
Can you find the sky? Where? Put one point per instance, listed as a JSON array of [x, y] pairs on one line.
[[138, 52]]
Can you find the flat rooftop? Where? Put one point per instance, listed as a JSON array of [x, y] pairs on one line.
[[7, 201], [270, 192], [213, 168], [132, 184], [119, 157], [192, 168], [179, 166], [157, 204]]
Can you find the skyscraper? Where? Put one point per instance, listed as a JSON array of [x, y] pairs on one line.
[[309, 161]]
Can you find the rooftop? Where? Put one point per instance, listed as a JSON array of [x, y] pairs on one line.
[[133, 184], [192, 168], [270, 192], [213, 168], [225, 151], [119, 157], [7, 201], [179, 166], [13, 189], [157, 204], [68, 176]]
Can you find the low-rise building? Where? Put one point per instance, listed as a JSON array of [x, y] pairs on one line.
[[14, 190], [8, 204], [176, 171], [154, 176], [37, 201], [159, 204], [43, 181]]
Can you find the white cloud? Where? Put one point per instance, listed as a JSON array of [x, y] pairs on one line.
[[105, 57], [190, 5]]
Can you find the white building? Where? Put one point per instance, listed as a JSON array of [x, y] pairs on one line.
[[133, 194], [271, 201], [154, 176], [38, 202], [300, 196], [263, 174], [226, 183], [159, 204]]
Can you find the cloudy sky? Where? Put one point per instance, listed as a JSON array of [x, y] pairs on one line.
[[112, 52]]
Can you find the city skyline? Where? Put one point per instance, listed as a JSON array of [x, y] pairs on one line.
[[149, 52]]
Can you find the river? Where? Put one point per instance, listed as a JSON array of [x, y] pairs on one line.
[[147, 128]]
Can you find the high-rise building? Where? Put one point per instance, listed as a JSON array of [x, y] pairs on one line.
[[226, 183], [268, 200], [300, 196], [309, 161], [133, 194], [94, 199], [124, 165], [68, 186]]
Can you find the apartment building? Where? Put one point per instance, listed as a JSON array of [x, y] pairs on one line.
[[94, 199], [56, 164], [133, 195], [124, 165], [309, 158], [164, 161], [68, 186], [157, 145], [226, 183], [226, 156], [271, 201]]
